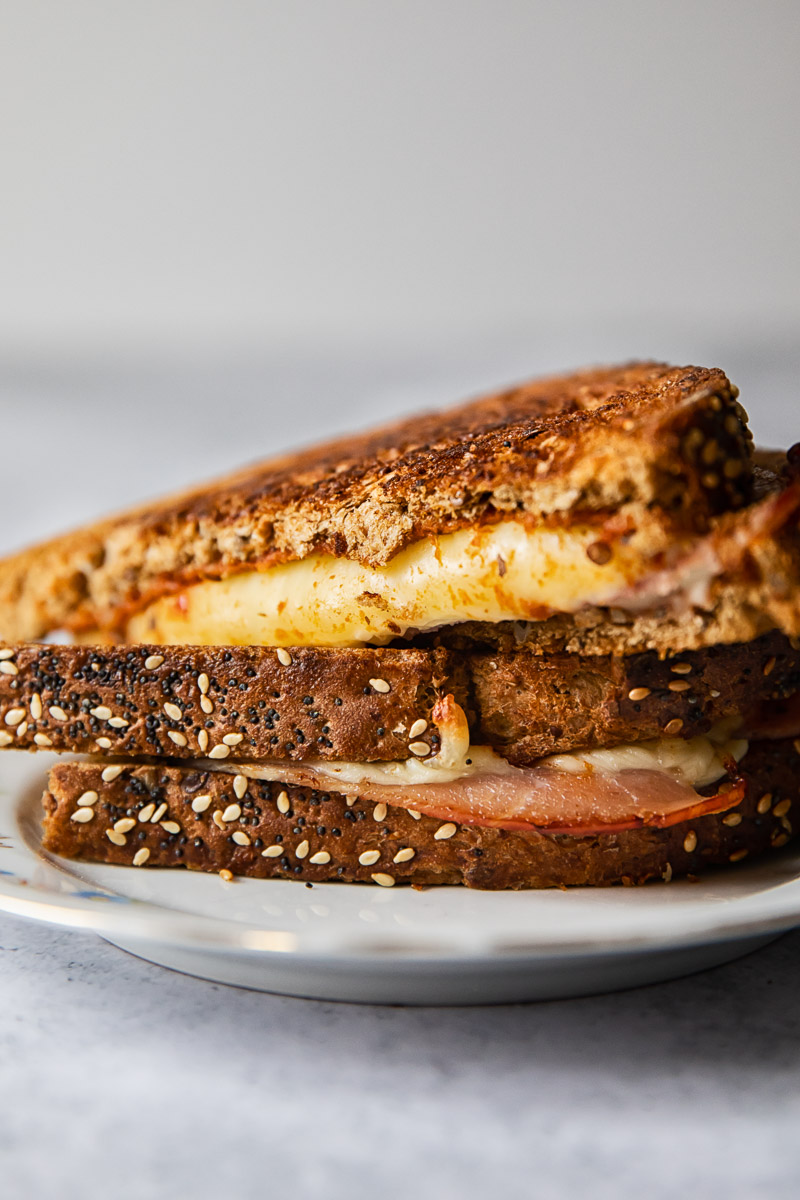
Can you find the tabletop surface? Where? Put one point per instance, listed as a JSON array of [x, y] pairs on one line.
[[121, 1079]]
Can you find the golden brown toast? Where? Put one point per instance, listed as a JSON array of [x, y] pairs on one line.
[[666, 448]]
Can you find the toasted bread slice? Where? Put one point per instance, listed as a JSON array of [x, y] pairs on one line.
[[177, 817], [664, 448], [244, 704]]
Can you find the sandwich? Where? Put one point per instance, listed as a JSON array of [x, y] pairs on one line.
[[550, 637]]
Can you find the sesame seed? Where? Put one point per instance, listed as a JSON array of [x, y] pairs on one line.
[[22, 729], [690, 841], [781, 809], [715, 694], [272, 852], [173, 712], [666, 874], [153, 660], [158, 814], [241, 838], [350, 800], [383, 880], [101, 712], [369, 858], [89, 797], [103, 742], [8, 668], [380, 685], [285, 658], [283, 802], [232, 739], [764, 803], [445, 831], [226, 875], [178, 738], [419, 748], [111, 773], [780, 839], [737, 856], [379, 812], [118, 723], [125, 825], [141, 857], [146, 813], [6, 739], [638, 693], [769, 666], [232, 812], [201, 803], [118, 839], [15, 715], [302, 850], [219, 752], [171, 826], [404, 855], [412, 812], [418, 728], [320, 858], [710, 480], [202, 740], [678, 685], [216, 817], [6, 653], [239, 786], [202, 683], [681, 668], [206, 704], [732, 820], [41, 739], [82, 815], [673, 726]]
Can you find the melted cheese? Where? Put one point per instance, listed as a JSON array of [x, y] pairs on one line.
[[494, 573], [696, 762]]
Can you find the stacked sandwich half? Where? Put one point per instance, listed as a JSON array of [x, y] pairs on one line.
[[550, 637]]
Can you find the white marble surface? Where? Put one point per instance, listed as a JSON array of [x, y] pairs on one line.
[[120, 1079]]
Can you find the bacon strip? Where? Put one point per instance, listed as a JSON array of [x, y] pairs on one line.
[[536, 798]]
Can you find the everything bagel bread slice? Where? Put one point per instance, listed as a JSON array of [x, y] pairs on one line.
[[152, 815]]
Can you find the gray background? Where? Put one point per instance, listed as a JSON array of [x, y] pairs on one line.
[[227, 228]]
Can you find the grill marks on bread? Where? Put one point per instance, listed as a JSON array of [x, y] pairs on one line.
[[642, 439]]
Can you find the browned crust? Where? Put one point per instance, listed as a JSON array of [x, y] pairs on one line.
[[635, 440], [322, 823], [329, 704], [529, 705], [324, 703]]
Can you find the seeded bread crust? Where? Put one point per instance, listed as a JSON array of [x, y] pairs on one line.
[[662, 447], [530, 705], [242, 703], [318, 837], [362, 705]]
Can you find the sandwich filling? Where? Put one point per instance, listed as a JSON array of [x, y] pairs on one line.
[[493, 573], [624, 787]]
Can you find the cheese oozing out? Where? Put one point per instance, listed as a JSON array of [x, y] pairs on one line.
[[695, 762], [493, 573]]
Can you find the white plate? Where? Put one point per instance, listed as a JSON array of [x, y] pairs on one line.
[[352, 942]]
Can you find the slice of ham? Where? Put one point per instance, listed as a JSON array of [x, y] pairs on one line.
[[537, 798]]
